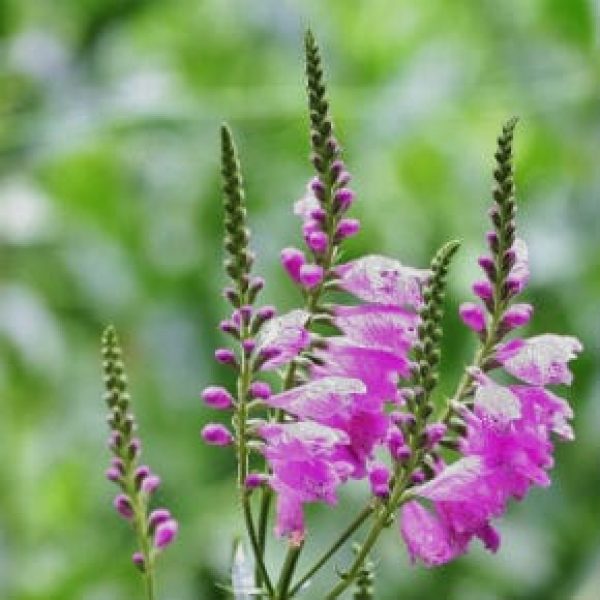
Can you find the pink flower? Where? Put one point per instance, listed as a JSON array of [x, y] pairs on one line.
[[286, 335], [382, 280], [427, 538], [540, 360], [321, 399], [378, 369], [473, 316], [378, 326]]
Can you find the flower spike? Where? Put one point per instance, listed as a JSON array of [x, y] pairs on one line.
[[137, 483]]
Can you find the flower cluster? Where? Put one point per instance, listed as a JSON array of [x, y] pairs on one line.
[[358, 374], [155, 530], [506, 444]]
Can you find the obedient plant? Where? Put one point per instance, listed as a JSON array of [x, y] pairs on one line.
[[357, 398]]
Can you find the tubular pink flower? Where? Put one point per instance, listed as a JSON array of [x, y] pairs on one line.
[[378, 369], [382, 280], [473, 316], [540, 360], [287, 335], [378, 326], [216, 434], [217, 397]]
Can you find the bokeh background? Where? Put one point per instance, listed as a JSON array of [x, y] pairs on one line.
[[110, 212]]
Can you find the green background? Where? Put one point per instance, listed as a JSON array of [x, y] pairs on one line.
[[110, 212]]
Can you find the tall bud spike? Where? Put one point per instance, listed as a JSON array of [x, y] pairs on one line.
[[430, 332], [237, 234]]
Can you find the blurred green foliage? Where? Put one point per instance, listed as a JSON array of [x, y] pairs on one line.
[[110, 212]]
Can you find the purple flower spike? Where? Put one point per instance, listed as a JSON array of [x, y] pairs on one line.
[[217, 397], [216, 434], [165, 534], [343, 198], [311, 275], [123, 506], [225, 356], [150, 484], [473, 316], [379, 478], [260, 389], [293, 260], [317, 241], [138, 560], [347, 228], [517, 316], [158, 516], [255, 480]]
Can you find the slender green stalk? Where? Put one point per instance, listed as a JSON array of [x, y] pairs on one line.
[[342, 539], [238, 267], [287, 571]]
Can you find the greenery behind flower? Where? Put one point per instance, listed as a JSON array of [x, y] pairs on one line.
[[110, 212]]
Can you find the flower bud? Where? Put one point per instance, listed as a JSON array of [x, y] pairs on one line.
[[293, 260], [517, 316], [347, 228], [165, 534], [158, 516], [138, 560], [113, 474], [311, 275], [150, 484], [123, 506], [260, 389], [434, 434], [217, 397], [317, 241], [255, 480], [379, 478], [343, 198], [473, 316], [216, 434], [483, 289], [225, 356]]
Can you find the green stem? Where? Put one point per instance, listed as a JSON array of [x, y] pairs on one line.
[[263, 517], [287, 571], [344, 537], [397, 498]]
